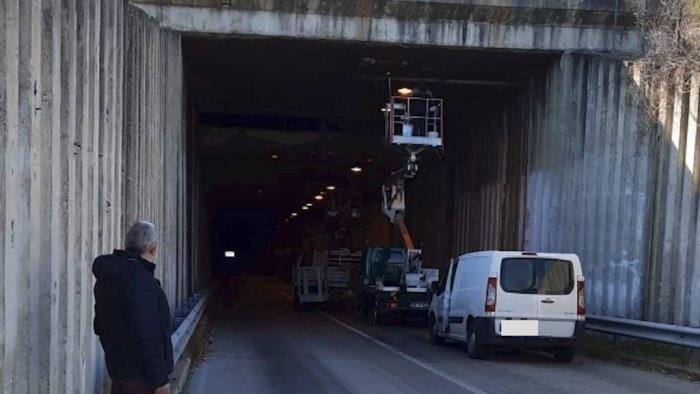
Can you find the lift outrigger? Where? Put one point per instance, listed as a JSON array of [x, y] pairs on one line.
[[393, 280]]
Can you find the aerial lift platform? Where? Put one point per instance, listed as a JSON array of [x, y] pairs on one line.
[[393, 280]]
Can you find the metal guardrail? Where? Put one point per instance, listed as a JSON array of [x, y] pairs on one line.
[[657, 332], [181, 337]]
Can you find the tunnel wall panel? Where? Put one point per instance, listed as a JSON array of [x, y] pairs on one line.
[[155, 141], [573, 162], [67, 173], [476, 197], [429, 212], [673, 291], [588, 184], [619, 188]]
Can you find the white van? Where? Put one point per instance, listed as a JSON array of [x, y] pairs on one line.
[[518, 299]]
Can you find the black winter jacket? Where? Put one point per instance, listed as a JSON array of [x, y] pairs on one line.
[[132, 319]]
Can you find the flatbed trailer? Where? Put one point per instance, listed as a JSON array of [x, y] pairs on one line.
[[310, 286], [325, 277], [341, 268]]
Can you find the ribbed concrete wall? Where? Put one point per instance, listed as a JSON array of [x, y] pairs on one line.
[[489, 181], [589, 180], [673, 271], [477, 194], [622, 193], [71, 157], [573, 163], [155, 142], [429, 211]]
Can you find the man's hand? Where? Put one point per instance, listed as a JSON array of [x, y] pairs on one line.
[[164, 389]]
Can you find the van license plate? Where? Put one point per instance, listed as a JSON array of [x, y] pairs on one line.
[[520, 328], [419, 305]]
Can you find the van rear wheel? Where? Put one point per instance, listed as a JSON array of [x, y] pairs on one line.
[[565, 355], [474, 346]]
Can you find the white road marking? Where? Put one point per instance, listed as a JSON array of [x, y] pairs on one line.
[[285, 295], [407, 357]]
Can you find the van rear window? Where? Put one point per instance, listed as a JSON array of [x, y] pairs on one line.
[[537, 276]]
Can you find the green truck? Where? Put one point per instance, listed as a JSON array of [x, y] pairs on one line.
[[394, 285]]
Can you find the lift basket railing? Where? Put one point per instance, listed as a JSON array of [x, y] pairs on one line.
[[414, 121]]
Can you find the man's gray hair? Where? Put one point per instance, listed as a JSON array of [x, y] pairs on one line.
[[140, 237]]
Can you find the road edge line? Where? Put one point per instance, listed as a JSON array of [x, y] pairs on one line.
[[405, 356], [285, 295]]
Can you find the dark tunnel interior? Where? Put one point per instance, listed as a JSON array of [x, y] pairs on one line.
[[276, 122]]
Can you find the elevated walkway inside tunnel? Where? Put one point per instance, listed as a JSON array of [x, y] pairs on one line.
[[548, 25]]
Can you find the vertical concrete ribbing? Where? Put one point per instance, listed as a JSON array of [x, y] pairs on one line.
[[4, 112], [11, 272], [62, 175], [692, 278], [57, 198]]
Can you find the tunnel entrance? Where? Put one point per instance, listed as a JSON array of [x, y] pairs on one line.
[[278, 123]]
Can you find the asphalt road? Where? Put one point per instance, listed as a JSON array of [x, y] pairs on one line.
[[260, 345]]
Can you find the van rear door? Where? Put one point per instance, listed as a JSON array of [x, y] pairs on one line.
[[516, 298], [557, 298], [538, 288]]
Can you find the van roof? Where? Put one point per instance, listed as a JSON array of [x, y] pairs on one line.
[[521, 253]]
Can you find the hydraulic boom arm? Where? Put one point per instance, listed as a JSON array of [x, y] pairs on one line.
[[394, 205]]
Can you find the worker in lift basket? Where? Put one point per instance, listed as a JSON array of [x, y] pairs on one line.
[[132, 316], [419, 108]]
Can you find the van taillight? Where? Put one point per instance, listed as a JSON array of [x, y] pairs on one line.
[[491, 296], [581, 306]]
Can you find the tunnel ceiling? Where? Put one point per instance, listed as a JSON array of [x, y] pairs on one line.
[[338, 86], [317, 105]]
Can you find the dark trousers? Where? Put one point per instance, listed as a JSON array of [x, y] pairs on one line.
[[131, 387]]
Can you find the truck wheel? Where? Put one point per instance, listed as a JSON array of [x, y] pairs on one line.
[[565, 355], [363, 309], [474, 346], [435, 338]]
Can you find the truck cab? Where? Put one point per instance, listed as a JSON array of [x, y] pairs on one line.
[[511, 299], [394, 285]]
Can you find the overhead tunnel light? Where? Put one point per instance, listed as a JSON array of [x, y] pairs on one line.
[[308, 204], [229, 254], [330, 187], [405, 91], [318, 197], [294, 214], [356, 169], [305, 208]]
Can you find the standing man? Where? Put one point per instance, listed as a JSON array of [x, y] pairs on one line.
[[132, 316]]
